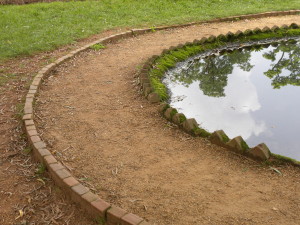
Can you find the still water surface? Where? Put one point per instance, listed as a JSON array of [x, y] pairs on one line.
[[254, 94]]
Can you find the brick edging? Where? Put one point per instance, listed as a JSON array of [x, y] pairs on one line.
[[91, 203]]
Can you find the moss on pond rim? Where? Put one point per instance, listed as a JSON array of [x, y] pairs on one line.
[[169, 59]]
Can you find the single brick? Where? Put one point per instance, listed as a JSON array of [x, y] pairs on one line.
[[147, 91], [29, 100], [35, 139], [79, 189], [43, 152], [219, 138], [32, 132], [90, 197], [260, 152], [39, 75], [39, 145], [49, 159], [163, 107], [238, 145], [30, 95], [33, 87], [189, 125], [178, 118], [63, 173], [238, 33], [144, 80], [28, 108], [144, 223], [70, 181], [153, 97], [167, 113], [56, 166], [100, 207], [143, 75], [36, 81], [114, 215], [131, 219], [30, 127], [145, 86], [28, 116], [32, 91]]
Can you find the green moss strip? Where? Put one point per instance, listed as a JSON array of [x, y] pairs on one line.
[[225, 138], [173, 112], [285, 159], [245, 146], [197, 131], [182, 118]]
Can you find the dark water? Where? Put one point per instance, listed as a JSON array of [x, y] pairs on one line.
[[254, 94]]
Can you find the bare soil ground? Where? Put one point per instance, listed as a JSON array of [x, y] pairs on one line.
[[96, 122]]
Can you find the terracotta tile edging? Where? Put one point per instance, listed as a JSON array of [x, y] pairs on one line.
[[91, 203]]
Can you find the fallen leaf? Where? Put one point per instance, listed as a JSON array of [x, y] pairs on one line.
[[41, 180], [21, 214], [276, 170]]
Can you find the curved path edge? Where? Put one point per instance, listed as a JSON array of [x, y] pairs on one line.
[[90, 202]]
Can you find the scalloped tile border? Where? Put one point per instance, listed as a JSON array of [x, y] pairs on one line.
[[91, 203]]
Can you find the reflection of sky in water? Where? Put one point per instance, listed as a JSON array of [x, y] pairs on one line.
[[251, 107]]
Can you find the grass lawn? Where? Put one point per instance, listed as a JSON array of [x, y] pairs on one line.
[[27, 29]]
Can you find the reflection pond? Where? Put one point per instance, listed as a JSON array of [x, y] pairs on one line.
[[252, 93]]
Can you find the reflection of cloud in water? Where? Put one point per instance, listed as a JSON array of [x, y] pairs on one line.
[[231, 113]]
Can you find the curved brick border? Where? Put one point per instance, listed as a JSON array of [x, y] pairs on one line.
[[91, 203]]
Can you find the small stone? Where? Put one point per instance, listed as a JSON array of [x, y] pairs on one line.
[[211, 38], [147, 91], [203, 40], [238, 145], [143, 76], [178, 118], [229, 35], [153, 97], [257, 30], [260, 151], [189, 125], [285, 27], [219, 138], [266, 29], [294, 26], [163, 107], [144, 80], [275, 28], [146, 85], [238, 33], [222, 37], [167, 113]]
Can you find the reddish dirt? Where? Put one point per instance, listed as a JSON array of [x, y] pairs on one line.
[[95, 121], [20, 187]]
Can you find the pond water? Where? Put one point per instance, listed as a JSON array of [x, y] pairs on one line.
[[252, 93]]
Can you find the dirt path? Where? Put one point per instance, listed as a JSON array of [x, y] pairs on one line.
[[96, 122]]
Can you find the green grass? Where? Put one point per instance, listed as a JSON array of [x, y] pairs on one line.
[[97, 47], [5, 77], [27, 29]]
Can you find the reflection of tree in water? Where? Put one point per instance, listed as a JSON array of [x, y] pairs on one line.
[[289, 60], [212, 72]]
